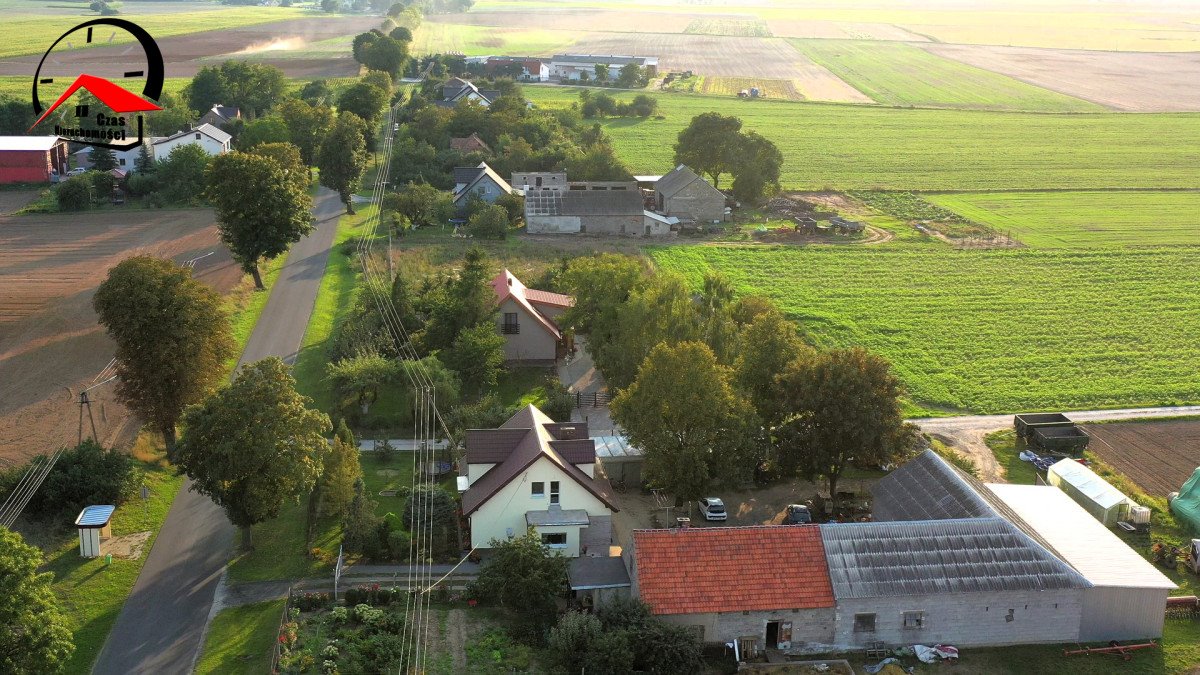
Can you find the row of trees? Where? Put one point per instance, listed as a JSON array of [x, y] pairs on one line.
[[604, 105], [716, 385]]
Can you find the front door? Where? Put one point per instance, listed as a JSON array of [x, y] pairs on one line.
[[772, 635]]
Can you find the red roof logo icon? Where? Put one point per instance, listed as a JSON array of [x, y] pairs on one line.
[[117, 98]]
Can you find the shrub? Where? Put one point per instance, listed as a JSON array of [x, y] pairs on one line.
[[83, 475], [142, 184], [340, 615], [398, 545], [490, 222], [308, 601], [103, 183], [74, 194]]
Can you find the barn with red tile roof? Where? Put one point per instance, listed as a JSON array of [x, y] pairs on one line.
[[761, 586]]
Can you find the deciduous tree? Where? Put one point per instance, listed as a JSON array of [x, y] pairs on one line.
[[342, 469], [682, 411], [207, 88], [269, 129], [477, 355], [524, 575], [288, 157], [359, 378], [261, 212], [35, 636], [254, 444], [490, 222], [842, 405], [710, 145], [343, 157], [307, 125], [765, 349], [756, 174], [181, 175], [172, 338]]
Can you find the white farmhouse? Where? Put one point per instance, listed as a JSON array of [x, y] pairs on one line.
[[533, 472], [211, 139]]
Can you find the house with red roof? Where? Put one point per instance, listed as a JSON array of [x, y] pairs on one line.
[[532, 472], [527, 320], [762, 587]]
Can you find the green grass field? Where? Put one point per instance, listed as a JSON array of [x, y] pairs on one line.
[[900, 74], [240, 640], [433, 38], [989, 331], [1084, 219], [861, 147], [22, 34]]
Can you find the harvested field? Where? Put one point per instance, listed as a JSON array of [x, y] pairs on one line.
[[734, 27], [1120, 80], [182, 54], [706, 54], [730, 86], [50, 343], [1158, 456], [896, 73], [432, 38]]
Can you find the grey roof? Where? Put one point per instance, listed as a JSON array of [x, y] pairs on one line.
[[583, 203], [679, 178], [466, 174], [560, 517], [588, 572], [609, 59], [927, 488], [868, 560], [482, 171], [206, 129], [491, 446], [576, 450]]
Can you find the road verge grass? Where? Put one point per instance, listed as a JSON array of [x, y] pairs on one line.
[[240, 640]]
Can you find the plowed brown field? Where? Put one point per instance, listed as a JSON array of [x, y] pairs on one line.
[[1158, 456], [50, 343]]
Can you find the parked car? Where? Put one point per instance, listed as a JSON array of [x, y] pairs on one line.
[[712, 508], [797, 514], [76, 171]]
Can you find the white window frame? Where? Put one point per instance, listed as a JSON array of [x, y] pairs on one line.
[[548, 544], [913, 619], [555, 493]]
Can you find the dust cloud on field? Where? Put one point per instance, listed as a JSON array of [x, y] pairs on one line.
[[1140, 82]]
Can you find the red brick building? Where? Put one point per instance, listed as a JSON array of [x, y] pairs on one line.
[[31, 159]]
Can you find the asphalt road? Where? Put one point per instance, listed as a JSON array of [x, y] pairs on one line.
[[160, 627]]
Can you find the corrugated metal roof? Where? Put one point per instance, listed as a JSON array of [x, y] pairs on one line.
[[679, 178], [95, 516], [927, 488], [869, 560], [27, 143], [1084, 542], [560, 517], [1088, 483]]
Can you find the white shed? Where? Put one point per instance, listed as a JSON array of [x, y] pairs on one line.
[[1092, 492], [93, 524]]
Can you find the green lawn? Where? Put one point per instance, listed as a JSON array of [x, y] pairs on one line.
[[1007, 449], [865, 147], [93, 593], [1084, 219], [33, 33], [241, 639], [989, 331], [901, 74]]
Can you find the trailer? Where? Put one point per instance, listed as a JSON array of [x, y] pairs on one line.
[[1026, 423], [1070, 440]]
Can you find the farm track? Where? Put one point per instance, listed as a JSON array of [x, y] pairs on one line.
[[1157, 456]]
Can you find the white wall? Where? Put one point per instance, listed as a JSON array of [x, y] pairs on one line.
[[164, 149], [506, 509], [551, 224]]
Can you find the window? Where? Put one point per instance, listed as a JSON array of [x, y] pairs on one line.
[[197, 136], [539, 489], [1010, 616], [539, 181], [555, 539], [122, 161], [864, 623], [914, 619], [553, 492], [511, 326]]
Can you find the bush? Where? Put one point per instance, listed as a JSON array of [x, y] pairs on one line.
[[308, 601], [142, 184], [103, 183], [398, 545], [74, 194], [489, 223], [84, 475]]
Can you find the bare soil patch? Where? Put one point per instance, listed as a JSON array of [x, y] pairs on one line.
[[182, 53], [12, 201], [1158, 456], [50, 343], [1142, 82], [128, 546]]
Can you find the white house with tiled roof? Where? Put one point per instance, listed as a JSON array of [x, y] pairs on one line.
[[527, 320], [210, 139], [533, 472]]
